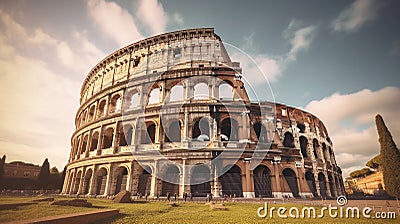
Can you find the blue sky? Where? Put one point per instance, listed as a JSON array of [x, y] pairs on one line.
[[337, 59]]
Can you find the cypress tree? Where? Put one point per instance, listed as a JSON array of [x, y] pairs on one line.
[[390, 158], [2, 162], [44, 174]]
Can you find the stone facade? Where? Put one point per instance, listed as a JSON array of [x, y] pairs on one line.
[[21, 170], [156, 109]]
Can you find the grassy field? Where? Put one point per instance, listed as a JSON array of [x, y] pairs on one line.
[[162, 212]]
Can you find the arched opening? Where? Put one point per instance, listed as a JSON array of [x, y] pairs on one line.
[[291, 181], [86, 181], [201, 91], [322, 184], [288, 140], [331, 185], [149, 136], [315, 147], [201, 130], [200, 181], [134, 101], [231, 181], [170, 183], [176, 93], [262, 182], [311, 182], [325, 152], [108, 138], [154, 96], [226, 92], [95, 141], [101, 181], [125, 135], [229, 130], [301, 128], [303, 146], [122, 177], [91, 112], [115, 105], [83, 117], [144, 181], [102, 108], [84, 144], [173, 132], [261, 132]]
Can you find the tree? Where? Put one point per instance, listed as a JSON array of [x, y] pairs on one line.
[[375, 163], [390, 158], [2, 162], [44, 174]]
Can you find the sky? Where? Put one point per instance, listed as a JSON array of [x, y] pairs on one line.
[[339, 60]]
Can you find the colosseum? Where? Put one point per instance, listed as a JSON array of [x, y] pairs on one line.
[[155, 118]]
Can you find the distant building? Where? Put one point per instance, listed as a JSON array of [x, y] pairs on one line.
[[19, 169], [372, 184]]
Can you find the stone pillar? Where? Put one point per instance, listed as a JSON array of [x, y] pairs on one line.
[[184, 185], [318, 188], [80, 184], [115, 143], [334, 186], [278, 188], [129, 178], [328, 187], [154, 180], [249, 181], [66, 179], [89, 142], [100, 140], [71, 183], [107, 190], [216, 187]]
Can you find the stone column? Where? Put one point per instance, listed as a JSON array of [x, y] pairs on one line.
[[154, 180], [249, 182], [81, 181], [184, 185], [278, 187], [107, 190], [66, 178], [115, 143], [216, 188], [328, 187]]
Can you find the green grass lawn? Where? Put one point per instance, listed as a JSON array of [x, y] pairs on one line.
[[162, 212]]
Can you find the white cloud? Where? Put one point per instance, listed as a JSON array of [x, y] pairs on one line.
[[176, 17], [254, 65], [355, 16], [300, 38], [151, 13], [350, 119], [114, 21]]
